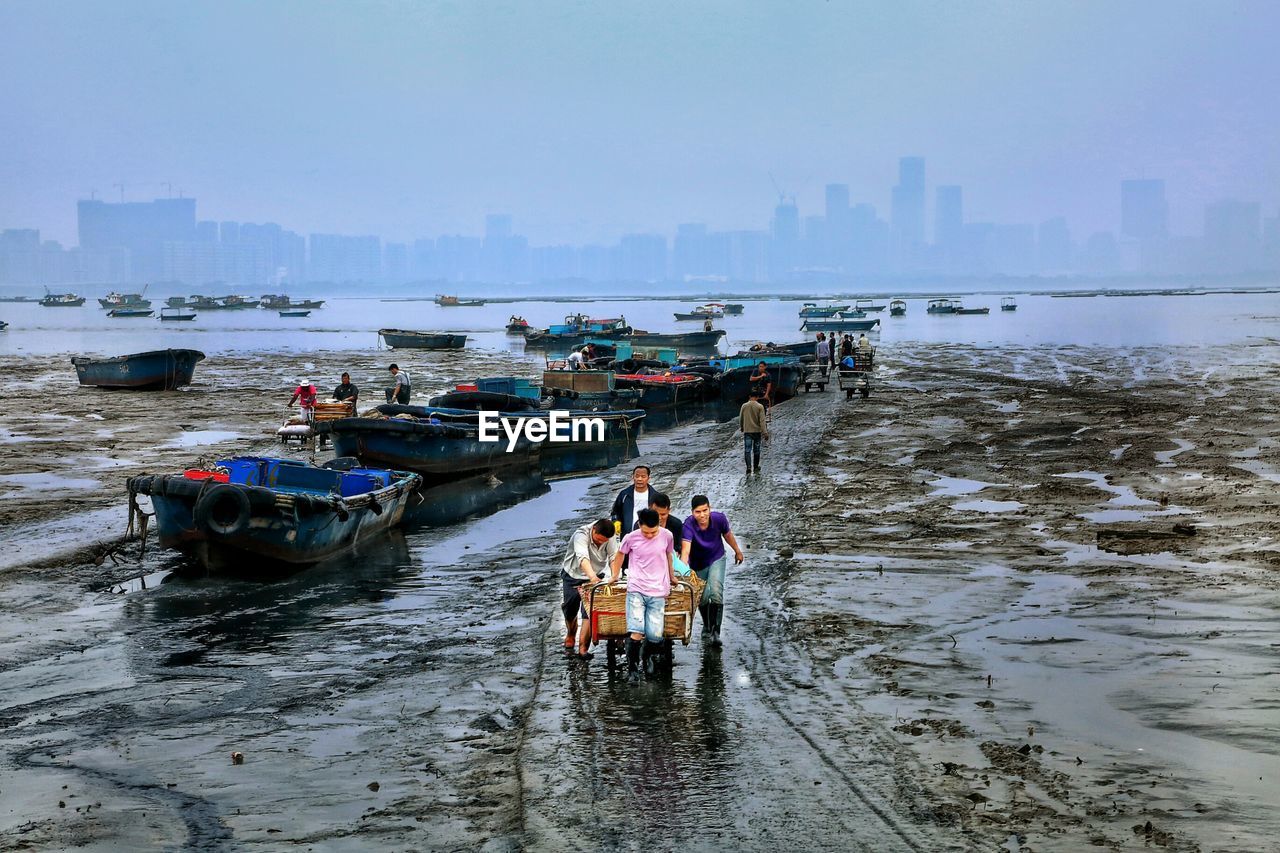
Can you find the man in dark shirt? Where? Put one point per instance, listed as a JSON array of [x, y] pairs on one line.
[[661, 504], [346, 391]]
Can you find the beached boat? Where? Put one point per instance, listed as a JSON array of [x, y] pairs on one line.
[[1008, 303], [62, 300], [157, 370], [680, 340], [124, 300], [455, 302], [941, 306], [295, 312], [865, 305], [660, 390], [619, 424], [593, 390], [248, 512], [130, 312], [438, 451], [403, 339], [842, 323], [785, 374], [169, 314], [897, 308], [282, 301], [812, 309]]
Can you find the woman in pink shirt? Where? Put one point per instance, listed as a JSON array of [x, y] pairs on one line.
[[650, 576]]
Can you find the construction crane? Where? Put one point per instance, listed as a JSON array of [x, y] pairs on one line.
[[782, 197]]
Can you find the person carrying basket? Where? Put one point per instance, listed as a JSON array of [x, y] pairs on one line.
[[650, 576]]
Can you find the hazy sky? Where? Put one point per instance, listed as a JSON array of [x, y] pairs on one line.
[[587, 120]]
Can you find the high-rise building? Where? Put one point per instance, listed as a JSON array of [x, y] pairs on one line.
[[948, 225], [395, 263], [338, 258], [1144, 213], [907, 217], [140, 227], [784, 256]]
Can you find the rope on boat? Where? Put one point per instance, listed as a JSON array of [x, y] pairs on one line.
[[141, 518]]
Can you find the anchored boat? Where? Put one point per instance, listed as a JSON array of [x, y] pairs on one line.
[[130, 312], [62, 300], [403, 339], [1008, 303], [897, 308], [841, 323], [170, 314], [157, 370], [248, 510], [124, 300]]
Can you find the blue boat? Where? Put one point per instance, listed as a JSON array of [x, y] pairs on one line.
[[618, 424], [785, 374], [841, 323], [251, 513], [404, 339], [439, 451], [811, 309], [158, 370]]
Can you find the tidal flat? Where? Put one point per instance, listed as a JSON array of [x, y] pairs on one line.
[[1021, 598]]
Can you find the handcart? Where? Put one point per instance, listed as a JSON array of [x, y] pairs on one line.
[[606, 607], [816, 374], [858, 377]]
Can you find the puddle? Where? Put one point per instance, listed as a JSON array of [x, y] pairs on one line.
[[1108, 516], [201, 437], [1119, 451], [141, 583], [1165, 457], [1124, 496], [952, 486], [988, 506], [46, 481], [1259, 469]]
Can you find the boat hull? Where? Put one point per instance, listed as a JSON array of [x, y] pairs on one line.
[[439, 452], [280, 530], [691, 340], [735, 384], [840, 324], [400, 339], [159, 370]]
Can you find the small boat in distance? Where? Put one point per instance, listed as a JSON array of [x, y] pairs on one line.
[[157, 370], [455, 302], [62, 300], [842, 323], [130, 312], [406, 339], [295, 312], [865, 305], [3, 325], [282, 302], [702, 312], [124, 300], [812, 309], [733, 308], [941, 306], [960, 309], [897, 308], [1008, 303], [517, 325], [176, 314]]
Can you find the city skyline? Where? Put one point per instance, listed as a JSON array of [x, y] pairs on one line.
[[586, 124]]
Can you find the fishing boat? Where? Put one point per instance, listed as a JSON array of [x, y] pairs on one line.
[[661, 390], [233, 303], [865, 305], [941, 306], [576, 328], [733, 308], [130, 312], [440, 452], [1008, 303], [455, 302], [681, 340], [960, 309], [812, 309], [295, 312], [282, 302], [702, 312], [403, 339], [840, 323], [3, 325], [251, 512], [590, 390], [785, 374], [517, 325], [171, 314], [897, 308], [62, 300], [158, 370], [124, 300]]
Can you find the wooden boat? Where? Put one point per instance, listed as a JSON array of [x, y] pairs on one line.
[[249, 511], [941, 306], [618, 424], [842, 323], [680, 340], [865, 305], [660, 390], [130, 312], [1008, 303], [588, 390], [455, 302], [281, 301], [897, 308], [176, 314], [62, 300], [785, 374], [124, 300], [158, 370], [438, 451], [3, 325], [295, 312], [517, 325], [733, 308], [702, 312], [402, 339], [812, 309], [960, 309]]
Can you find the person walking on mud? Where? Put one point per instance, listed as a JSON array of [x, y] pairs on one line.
[[755, 429], [649, 580], [705, 534], [823, 351], [590, 553], [760, 381], [398, 392], [632, 499]]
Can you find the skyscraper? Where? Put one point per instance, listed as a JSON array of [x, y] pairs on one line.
[[141, 227], [786, 238], [1144, 213], [907, 213], [948, 225]]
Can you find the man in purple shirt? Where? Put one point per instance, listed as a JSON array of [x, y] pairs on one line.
[[705, 533], [650, 576]]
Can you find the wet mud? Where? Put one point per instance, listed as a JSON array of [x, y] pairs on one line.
[[1018, 599]]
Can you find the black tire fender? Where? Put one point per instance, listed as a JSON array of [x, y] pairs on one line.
[[223, 510]]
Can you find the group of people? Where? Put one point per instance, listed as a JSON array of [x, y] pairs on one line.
[[654, 548], [306, 393], [841, 348], [582, 357]]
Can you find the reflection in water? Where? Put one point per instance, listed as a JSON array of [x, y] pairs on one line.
[[472, 497], [561, 459]]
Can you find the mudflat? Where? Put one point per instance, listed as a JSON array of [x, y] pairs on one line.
[[1020, 598]]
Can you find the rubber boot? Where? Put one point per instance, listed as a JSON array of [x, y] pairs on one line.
[[647, 660], [633, 661], [717, 615], [704, 610]]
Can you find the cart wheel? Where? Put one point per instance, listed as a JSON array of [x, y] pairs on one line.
[[822, 386], [848, 393], [866, 392], [806, 387]]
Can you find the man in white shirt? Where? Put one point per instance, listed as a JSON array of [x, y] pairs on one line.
[[591, 549]]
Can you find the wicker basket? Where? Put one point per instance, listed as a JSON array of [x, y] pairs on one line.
[[607, 610]]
